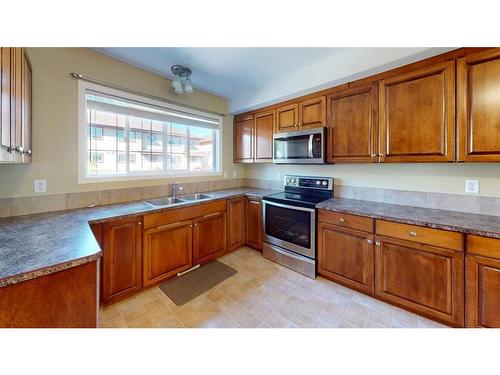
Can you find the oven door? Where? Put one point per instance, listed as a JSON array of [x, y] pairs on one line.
[[290, 227], [301, 147]]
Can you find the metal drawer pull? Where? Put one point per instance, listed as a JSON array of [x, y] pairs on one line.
[[373, 155], [341, 219], [369, 242], [377, 243], [413, 234]]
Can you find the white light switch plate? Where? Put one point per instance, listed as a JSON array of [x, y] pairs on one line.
[[40, 186], [472, 186]]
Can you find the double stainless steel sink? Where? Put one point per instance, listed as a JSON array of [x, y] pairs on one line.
[[169, 201]]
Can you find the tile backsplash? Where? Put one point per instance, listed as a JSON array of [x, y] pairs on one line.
[[58, 202]]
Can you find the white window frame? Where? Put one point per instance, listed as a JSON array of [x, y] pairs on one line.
[[83, 178]]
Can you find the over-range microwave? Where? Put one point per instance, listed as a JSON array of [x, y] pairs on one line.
[[300, 147]]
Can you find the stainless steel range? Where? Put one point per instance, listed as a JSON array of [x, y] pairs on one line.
[[290, 222]]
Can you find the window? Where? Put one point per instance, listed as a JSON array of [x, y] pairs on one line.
[[124, 136]]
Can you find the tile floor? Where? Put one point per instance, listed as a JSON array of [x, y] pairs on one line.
[[262, 294]]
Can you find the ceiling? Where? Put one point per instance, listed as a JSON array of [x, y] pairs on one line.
[[252, 77]]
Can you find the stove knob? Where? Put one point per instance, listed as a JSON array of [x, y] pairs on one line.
[[318, 182], [324, 183]]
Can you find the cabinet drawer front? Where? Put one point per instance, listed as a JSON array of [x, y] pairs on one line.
[[180, 214], [415, 233], [488, 247], [346, 220]]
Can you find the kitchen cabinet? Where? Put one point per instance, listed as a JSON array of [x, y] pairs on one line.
[[121, 258], [352, 125], [244, 139], [483, 282], [264, 127], [209, 237], [346, 256], [167, 251], [254, 230], [236, 213], [417, 115], [478, 109], [428, 280], [15, 106], [310, 113]]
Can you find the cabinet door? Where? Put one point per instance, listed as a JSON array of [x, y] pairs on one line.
[[209, 237], [237, 217], [287, 118], [264, 126], [26, 110], [122, 254], [346, 256], [483, 292], [16, 112], [167, 251], [243, 139], [5, 89], [312, 113], [424, 279], [417, 115], [254, 224], [352, 125], [478, 95]]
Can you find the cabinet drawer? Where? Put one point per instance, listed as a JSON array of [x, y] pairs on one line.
[[415, 233], [180, 214], [487, 247], [346, 220]]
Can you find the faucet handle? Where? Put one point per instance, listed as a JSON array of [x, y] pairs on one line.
[[180, 189]]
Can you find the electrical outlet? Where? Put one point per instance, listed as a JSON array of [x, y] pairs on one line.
[[235, 174], [40, 186], [472, 186], [225, 174]]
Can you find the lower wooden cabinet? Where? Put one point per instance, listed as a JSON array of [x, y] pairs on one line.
[[236, 215], [254, 230], [346, 256], [209, 237], [121, 258], [167, 251], [425, 279]]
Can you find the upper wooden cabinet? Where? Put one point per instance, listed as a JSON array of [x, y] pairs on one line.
[[417, 115], [264, 126], [478, 105], [287, 118], [243, 139], [15, 106], [352, 125], [309, 113], [121, 258]]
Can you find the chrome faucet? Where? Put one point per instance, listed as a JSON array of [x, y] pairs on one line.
[[176, 188]]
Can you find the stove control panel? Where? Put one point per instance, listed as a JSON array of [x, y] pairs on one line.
[[322, 183]]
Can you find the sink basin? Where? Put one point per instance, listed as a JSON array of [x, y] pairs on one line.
[[160, 202], [195, 197]]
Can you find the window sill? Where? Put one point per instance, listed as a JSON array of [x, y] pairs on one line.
[[144, 177]]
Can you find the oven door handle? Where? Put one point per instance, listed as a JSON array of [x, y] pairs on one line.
[[289, 206], [310, 147]]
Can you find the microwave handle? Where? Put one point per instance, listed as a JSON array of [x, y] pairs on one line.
[[310, 146]]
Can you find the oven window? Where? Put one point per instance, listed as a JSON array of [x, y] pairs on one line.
[[289, 225]]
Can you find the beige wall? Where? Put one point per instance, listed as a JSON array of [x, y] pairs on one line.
[[442, 178], [55, 120]]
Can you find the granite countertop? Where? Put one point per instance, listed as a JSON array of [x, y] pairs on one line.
[[481, 225], [35, 245]]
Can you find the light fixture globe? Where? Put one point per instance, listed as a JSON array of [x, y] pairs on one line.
[[188, 87], [181, 72]]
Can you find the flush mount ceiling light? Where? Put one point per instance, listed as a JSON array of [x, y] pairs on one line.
[[181, 73]]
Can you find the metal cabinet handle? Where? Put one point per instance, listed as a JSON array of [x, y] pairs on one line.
[[196, 225], [341, 219], [27, 152], [190, 225], [413, 234], [139, 223], [369, 241], [381, 155], [377, 243], [373, 155], [17, 149]]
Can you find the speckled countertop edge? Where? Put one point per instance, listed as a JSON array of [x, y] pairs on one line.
[[467, 223], [26, 249]]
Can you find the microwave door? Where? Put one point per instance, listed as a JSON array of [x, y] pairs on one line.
[[292, 148]]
